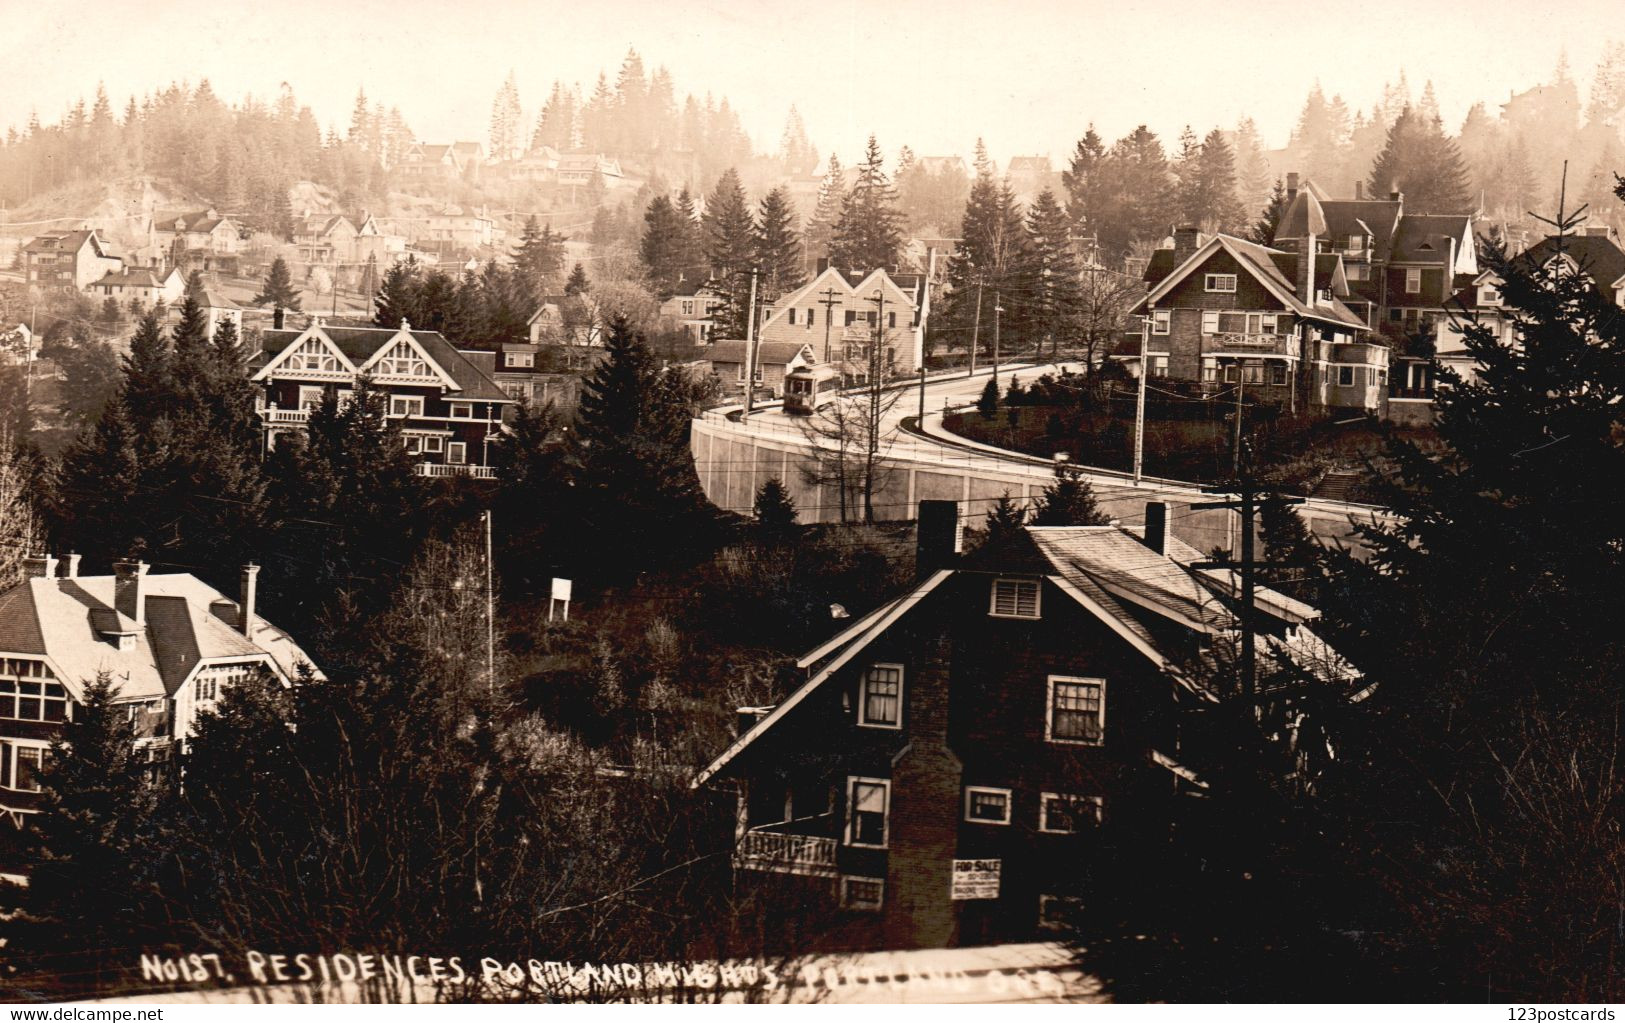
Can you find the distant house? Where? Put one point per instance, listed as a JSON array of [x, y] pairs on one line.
[[377, 240], [842, 314], [773, 360], [147, 285], [202, 239], [67, 260], [565, 320], [1030, 175], [173, 644], [426, 164], [584, 168], [546, 374], [217, 308], [450, 410], [692, 306], [946, 772], [325, 238], [539, 165], [465, 230]]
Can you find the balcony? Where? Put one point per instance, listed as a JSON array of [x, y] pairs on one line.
[[285, 416], [479, 472], [1272, 343], [1411, 393], [786, 854]]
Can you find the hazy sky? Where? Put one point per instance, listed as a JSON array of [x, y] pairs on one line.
[[1028, 75]]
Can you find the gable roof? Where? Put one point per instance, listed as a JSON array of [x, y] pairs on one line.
[[1596, 255], [359, 344], [768, 353], [187, 623], [1425, 238], [136, 277], [1265, 266]]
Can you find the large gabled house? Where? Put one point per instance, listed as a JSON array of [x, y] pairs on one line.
[[447, 405], [201, 239], [938, 777], [146, 285], [171, 643], [325, 238], [1227, 312], [67, 260], [843, 313]]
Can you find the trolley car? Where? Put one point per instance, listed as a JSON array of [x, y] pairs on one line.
[[807, 388]]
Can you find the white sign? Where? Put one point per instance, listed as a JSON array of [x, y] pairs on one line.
[[561, 589], [976, 879]]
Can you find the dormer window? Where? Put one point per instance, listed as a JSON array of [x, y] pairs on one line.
[[1014, 598]]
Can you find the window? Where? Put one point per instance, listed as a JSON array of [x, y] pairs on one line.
[[881, 705], [866, 893], [414, 445], [456, 452], [26, 700], [1356, 242], [1413, 281], [19, 766], [1489, 294], [688, 308], [1358, 272], [851, 317], [1062, 814], [1232, 373], [310, 398], [891, 319], [403, 361], [867, 803], [522, 360], [1277, 375], [1345, 376], [405, 405], [1221, 282], [1076, 712], [1014, 598], [1157, 365], [434, 445], [462, 410], [987, 806], [1161, 320]]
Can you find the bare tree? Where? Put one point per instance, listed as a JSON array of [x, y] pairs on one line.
[[1104, 299], [20, 530], [851, 435]]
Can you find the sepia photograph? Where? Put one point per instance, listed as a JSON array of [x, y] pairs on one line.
[[652, 503]]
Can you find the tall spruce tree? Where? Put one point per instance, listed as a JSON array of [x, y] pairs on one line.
[[1051, 274], [820, 234], [1423, 163], [730, 244], [539, 260], [663, 248], [278, 290], [778, 244], [869, 234]]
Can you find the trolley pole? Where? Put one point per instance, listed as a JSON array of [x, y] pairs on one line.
[[922, 397], [976, 329]]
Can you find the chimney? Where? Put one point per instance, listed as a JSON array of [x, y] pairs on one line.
[[245, 599], [276, 318], [1359, 190], [1186, 241], [71, 563], [127, 600], [1291, 186], [1396, 196], [1156, 526], [937, 538], [823, 264], [39, 566]]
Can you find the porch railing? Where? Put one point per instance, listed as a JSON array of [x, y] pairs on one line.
[[785, 853], [479, 472]]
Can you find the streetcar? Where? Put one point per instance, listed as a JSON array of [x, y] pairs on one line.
[[808, 388]]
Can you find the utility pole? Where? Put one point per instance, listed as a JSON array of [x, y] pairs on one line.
[[1241, 383], [1247, 492], [976, 328], [922, 397], [829, 303], [750, 349], [490, 613], [998, 310], [1139, 399]]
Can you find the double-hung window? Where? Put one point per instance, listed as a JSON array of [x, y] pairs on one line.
[[868, 802], [462, 410], [1161, 321], [1413, 281], [867, 893], [402, 405], [1063, 814], [881, 705], [1014, 598], [1345, 376], [986, 805], [20, 765], [456, 452], [1075, 711]]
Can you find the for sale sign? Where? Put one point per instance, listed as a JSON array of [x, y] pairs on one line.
[[976, 879]]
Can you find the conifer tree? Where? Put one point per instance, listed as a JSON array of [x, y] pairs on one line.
[[1269, 219], [278, 290], [1421, 162], [663, 248], [577, 285], [539, 260], [869, 234], [774, 511], [1005, 518], [820, 233], [1050, 271], [730, 237], [778, 245], [1069, 501]]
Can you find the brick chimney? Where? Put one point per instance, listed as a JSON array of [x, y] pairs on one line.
[[1291, 186], [1396, 196], [245, 599], [277, 316], [71, 564], [1186, 241], [127, 598], [937, 538], [39, 566], [1359, 190], [1156, 526]]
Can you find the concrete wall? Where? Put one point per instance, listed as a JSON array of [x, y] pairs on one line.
[[732, 462]]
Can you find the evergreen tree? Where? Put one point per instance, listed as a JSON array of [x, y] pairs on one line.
[[539, 260], [664, 246], [774, 511], [1069, 501], [778, 245], [988, 403], [1004, 519], [1051, 273], [91, 878], [820, 233], [1137, 196], [397, 298], [730, 242], [868, 235], [1269, 220], [577, 285], [990, 254], [1420, 161], [278, 289], [1083, 181]]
